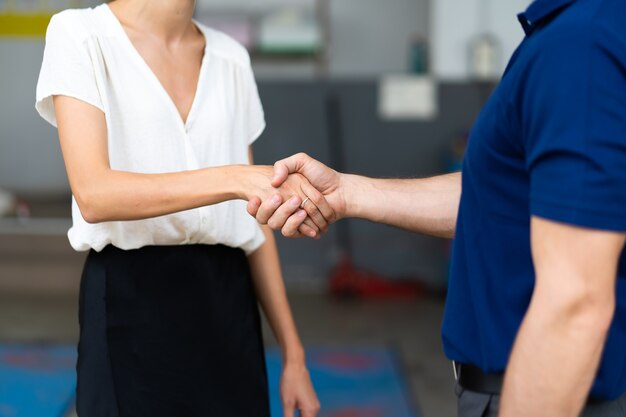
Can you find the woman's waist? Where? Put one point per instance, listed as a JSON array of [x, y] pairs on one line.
[[181, 229]]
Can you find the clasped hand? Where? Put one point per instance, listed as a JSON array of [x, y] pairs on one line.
[[297, 180]]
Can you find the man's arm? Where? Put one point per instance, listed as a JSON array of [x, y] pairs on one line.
[[559, 345], [428, 206]]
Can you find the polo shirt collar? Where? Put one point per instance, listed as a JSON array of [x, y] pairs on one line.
[[540, 10]]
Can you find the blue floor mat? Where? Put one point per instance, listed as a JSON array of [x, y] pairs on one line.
[[353, 382], [40, 381], [36, 381]]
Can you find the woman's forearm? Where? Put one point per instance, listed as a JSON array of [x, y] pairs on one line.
[[268, 281], [117, 195], [106, 194]]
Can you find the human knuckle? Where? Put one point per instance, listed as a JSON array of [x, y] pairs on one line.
[[289, 402], [317, 198], [311, 409]]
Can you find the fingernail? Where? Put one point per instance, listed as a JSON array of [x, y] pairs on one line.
[[295, 202], [302, 213], [276, 199], [312, 233]]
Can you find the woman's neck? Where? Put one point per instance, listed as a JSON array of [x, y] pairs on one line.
[[170, 20]]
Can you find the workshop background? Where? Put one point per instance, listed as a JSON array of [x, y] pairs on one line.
[[381, 88]]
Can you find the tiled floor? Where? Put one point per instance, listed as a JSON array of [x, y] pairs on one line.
[[412, 327]]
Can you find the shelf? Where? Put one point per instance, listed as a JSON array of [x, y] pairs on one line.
[[257, 25]]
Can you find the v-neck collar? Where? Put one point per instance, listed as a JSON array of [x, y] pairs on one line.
[[152, 75]]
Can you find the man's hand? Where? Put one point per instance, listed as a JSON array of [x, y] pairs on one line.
[[323, 190], [292, 191]]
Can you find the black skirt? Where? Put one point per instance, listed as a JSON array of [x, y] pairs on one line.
[[170, 331]]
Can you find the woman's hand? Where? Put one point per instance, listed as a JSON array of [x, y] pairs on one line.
[[291, 193], [329, 187], [297, 392]]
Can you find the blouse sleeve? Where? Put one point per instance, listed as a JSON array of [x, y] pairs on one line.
[[67, 68]]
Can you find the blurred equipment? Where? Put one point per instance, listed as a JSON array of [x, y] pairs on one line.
[[239, 27], [484, 47], [418, 58], [484, 57], [290, 30], [279, 34], [346, 281], [456, 152], [406, 97], [8, 203]]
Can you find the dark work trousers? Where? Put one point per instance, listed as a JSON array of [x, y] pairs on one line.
[[474, 404], [170, 331]]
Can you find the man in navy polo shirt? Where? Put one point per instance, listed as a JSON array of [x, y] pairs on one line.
[[538, 277]]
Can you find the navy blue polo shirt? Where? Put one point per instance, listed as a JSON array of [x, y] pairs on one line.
[[551, 143]]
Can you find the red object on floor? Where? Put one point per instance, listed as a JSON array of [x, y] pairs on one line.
[[348, 281]]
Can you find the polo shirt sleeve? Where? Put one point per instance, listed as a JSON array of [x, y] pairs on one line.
[[252, 108], [67, 68], [573, 122]]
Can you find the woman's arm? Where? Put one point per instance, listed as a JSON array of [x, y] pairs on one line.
[[296, 388], [105, 194]]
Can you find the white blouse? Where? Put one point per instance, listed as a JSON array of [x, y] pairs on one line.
[[89, 56]]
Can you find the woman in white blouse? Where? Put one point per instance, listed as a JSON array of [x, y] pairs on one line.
[[155, 114]]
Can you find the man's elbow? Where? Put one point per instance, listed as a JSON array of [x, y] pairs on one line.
[[590, 311]]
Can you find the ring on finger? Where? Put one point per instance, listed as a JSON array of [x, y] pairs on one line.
[[304, 202]]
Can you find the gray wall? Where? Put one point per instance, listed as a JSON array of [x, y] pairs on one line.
[[371, 37], [30, 161]]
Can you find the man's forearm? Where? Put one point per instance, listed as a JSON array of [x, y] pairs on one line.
[[428, 206]]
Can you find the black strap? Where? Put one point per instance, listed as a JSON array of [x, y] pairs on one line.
[[472, 378]]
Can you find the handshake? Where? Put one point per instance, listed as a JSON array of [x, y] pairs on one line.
[[304, 198], [301, 197]]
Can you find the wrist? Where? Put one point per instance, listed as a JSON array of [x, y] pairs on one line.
[[355, 191], [247, 180], [294, 355]]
